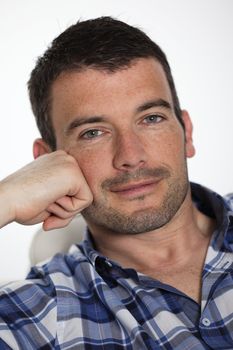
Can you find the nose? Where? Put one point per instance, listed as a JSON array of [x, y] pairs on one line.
[[129, 152]]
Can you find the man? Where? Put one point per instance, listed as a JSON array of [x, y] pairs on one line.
[[155, 268]]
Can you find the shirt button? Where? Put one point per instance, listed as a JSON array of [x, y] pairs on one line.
[[108, 263], [206, 322]]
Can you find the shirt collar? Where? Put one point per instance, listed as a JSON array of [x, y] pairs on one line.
[[88, 248], [219, 208]]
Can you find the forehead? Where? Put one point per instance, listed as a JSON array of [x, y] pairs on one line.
[[93, 91]]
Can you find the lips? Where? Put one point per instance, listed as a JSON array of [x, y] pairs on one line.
[[134, 187]]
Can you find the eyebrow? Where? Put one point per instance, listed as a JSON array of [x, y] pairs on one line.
[[83, 120], [98, 119], [154, 103]]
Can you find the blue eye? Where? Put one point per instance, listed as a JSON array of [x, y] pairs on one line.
[[91, 134], [153, 119]]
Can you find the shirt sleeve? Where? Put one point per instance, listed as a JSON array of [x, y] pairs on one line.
[[28, 315]]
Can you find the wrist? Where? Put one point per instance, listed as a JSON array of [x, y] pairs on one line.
[[6, 214]]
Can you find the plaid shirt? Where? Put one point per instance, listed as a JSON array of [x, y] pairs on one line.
[[84, 301]]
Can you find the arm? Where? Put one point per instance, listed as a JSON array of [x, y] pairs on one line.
[[51, 189], [5, 214]]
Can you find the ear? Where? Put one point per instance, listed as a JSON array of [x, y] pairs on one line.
[[189, 147], [40, 147]]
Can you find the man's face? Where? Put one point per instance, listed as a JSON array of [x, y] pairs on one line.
[[123, 132]]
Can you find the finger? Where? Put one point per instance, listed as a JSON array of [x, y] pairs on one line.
[[36, 220], [56, 210], [53, 222], [75, 203]]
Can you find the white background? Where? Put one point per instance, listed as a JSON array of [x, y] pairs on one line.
[[197, 36]]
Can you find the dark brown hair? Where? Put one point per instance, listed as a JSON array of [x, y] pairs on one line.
[[103, 43]]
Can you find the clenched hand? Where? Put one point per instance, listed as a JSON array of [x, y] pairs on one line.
[[51, 189]]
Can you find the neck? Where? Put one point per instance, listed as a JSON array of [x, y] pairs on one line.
[[171, 244]]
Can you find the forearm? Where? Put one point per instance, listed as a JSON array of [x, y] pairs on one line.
[[6, 213]]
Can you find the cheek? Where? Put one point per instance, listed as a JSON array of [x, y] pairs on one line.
[[94, 168], [176, 153], [168, 147]]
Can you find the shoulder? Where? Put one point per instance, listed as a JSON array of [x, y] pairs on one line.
[[32, 306], [25, 308], [61, 270], [229, 199]]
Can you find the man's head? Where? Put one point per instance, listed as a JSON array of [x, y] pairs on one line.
[[104, 44], [110, 102]]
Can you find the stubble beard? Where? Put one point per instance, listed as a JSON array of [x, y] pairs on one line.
[[100, 214]]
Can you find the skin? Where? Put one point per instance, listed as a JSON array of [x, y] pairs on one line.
[[143, 173], [121, 160], [45, 190]]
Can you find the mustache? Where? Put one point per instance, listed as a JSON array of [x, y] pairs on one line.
[[139, 174]]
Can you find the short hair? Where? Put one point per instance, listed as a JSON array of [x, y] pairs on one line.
[[103, 43]]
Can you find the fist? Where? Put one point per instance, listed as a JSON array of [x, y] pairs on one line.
[[51, 189]]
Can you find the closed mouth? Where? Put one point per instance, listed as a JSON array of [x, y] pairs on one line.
[[134, 186]]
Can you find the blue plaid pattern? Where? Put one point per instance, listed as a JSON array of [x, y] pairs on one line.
[[84, 301]]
